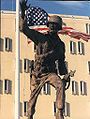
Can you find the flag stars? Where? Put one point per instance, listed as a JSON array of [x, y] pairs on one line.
[[36, 16]]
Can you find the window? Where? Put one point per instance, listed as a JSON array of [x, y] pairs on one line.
[[8, 44], [54, 108], [34, 47], [87, 28], [81, 49], [25, 108], [72, 47], [83, 88], [1, 86], [74, 88], [8, 86], [26, 65], [89, 66], [67, 110], [1, 44], [46, 89], [21, 113], [20, 66]]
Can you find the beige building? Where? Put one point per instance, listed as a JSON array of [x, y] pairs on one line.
[[77, 57]]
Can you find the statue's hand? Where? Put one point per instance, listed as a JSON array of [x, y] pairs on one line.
[[23, 6], [72, 73]]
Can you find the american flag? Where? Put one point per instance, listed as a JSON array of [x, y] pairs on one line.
[[74, 33], [36, 16], [37, 19]]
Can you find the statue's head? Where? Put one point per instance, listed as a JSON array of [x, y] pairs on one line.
[[54, 23]]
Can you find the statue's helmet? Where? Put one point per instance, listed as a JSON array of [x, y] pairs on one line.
[[55, 19]]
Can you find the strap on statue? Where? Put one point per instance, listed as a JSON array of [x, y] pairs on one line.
[[66, 78], [57, 68], [31, 67]]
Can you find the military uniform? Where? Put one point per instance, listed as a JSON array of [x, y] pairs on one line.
[[49, 48]]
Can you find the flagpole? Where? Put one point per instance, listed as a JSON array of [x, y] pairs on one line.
[[17, 72]]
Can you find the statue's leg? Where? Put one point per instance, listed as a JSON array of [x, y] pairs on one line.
[[36, 87], [60, 94], [33, 97], [55, 81]]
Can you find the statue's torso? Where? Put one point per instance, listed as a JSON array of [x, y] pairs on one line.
[[47, 64], [46, 43]]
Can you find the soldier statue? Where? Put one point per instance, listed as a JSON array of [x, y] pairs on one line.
[[49, 62]]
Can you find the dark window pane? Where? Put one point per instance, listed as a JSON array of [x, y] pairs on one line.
[[79, 47], [83, 50], [44, 88], [25, 109], [1, 44], [48, 88], [54, 108], [89, 66], [1, 86], [87, 28], [71, 46]]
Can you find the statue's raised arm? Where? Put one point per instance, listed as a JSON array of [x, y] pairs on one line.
[[30, 33], [23, 8]]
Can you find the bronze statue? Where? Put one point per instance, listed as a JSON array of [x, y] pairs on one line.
[[49, 62]]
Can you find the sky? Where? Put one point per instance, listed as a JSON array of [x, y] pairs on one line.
[[81, 8]]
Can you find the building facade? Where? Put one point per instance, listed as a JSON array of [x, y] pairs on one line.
[[77, 103]]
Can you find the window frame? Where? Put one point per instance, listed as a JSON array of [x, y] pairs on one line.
[[74, 87], [25, 108], [8, 44], [73, 49], [89, 67], [83, 88], [7, 86], [87, 28], [47, 89], [81, 48], [67, 109], [26, 65]]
